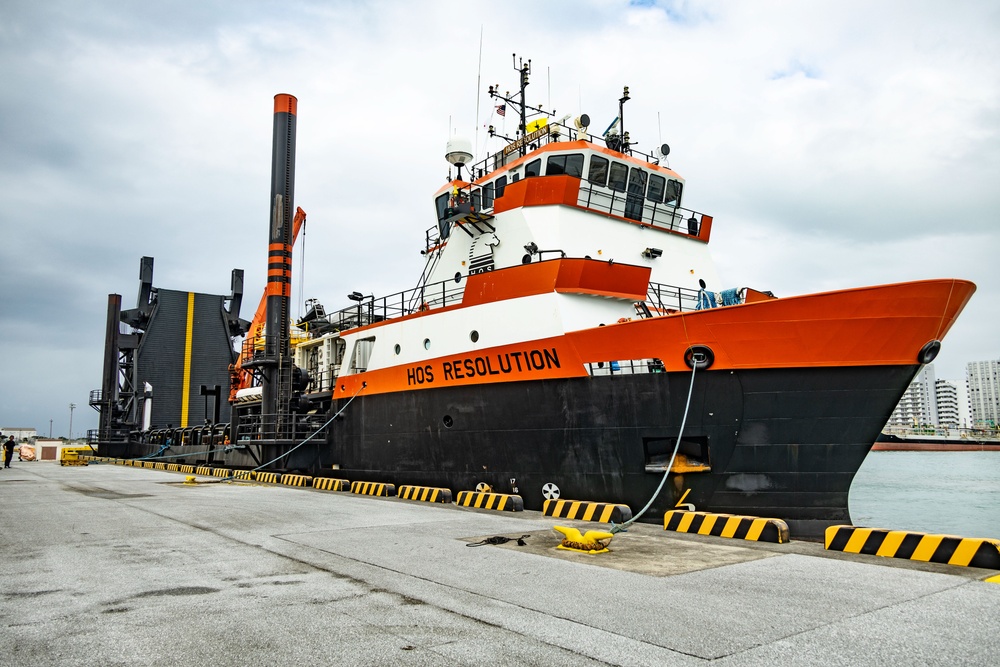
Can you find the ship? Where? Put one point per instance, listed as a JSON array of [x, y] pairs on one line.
[[937, 439], [569, 337]]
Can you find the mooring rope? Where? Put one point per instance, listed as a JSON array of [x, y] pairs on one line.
[[617, 528]]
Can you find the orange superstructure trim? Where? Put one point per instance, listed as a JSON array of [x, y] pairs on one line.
[[580, 276]]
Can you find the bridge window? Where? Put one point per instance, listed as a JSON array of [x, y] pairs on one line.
[[657, 186], [501, 184], [673, 195], [571, 165], [598, 170], [488, 195], [533, 168], [617, 176]]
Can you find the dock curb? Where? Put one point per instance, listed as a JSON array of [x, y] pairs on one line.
[[427, 494], [751, 528], [331, 484], [930, 548], [501, 502], [289, 479], [373, 489], [585, 510], [267, 477]]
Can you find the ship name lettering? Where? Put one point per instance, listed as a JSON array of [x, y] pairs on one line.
[[419, 375], [508, 362]]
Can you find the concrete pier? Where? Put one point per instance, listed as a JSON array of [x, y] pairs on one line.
[[112, 565]]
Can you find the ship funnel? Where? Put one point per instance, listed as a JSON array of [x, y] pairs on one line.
[[276, 366]]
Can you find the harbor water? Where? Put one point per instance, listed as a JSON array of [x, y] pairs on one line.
[[956, 493]]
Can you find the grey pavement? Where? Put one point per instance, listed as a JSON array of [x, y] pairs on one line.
[[111, 565]]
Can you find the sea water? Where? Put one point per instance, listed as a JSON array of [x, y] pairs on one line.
[[955, 493]]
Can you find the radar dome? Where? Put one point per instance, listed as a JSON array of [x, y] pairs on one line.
[[458, 151]]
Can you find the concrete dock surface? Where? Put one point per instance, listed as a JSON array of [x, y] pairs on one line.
[[111, 565]]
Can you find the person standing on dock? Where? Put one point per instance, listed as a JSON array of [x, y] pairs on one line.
[[8, 451]]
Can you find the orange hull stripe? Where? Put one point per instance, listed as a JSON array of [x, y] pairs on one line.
[[869, 326]]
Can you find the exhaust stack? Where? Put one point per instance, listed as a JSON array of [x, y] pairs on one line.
[[276, 390]]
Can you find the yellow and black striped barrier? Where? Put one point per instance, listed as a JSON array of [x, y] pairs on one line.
[[427, 494], [288, 479], [245, 475], [950, 549], [267, 477], [187, 469], [373, 489], [203, 470], [221, 472], [502, 502], [331, 484], [727, 525], [585, 510], [174, 467], [159, 465]]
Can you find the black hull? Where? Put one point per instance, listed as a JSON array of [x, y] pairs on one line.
[[783, 443]]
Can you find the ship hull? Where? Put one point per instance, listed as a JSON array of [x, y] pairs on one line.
[[782, 443]]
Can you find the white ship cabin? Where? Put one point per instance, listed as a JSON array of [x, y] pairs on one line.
[[566, 199]]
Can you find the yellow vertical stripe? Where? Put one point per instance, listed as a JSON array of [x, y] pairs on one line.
[[186, 387], [857, 540], [756, 528], [707, 524], [890, 545], [732, 523], [685, 523], [928, 545], [964, 552]]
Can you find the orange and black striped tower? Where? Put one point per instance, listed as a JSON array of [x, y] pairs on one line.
[[277, 366]]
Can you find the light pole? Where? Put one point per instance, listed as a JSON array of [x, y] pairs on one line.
[[72, 406], [50, 429]]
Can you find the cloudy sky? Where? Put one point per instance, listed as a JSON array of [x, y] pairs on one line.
[[837, 144]]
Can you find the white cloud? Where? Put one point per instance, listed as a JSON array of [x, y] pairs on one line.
[[837, 143]]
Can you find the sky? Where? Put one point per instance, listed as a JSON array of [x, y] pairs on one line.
[[836, 144]]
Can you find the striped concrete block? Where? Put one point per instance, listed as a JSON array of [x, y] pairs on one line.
[[950, 549], [727, 525], [174, 467], [203, 470], [245, 475], [502, 502], [160, 465], [267, 477], [373, 489], [221, 472], [584, 510], [289, 479], [427, 494], [331, 484], [187, 469]]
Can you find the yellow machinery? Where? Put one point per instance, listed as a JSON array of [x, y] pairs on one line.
[[70, 456]]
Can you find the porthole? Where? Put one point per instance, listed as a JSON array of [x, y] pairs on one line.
[[397, 348], [427, 343], [448, 421], [458, 277], [474, 336]]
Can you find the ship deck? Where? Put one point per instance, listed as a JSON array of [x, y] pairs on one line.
[[119, 565]]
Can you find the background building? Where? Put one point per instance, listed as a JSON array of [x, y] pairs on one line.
[[983, 383], [19, 432], [918, 406]]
